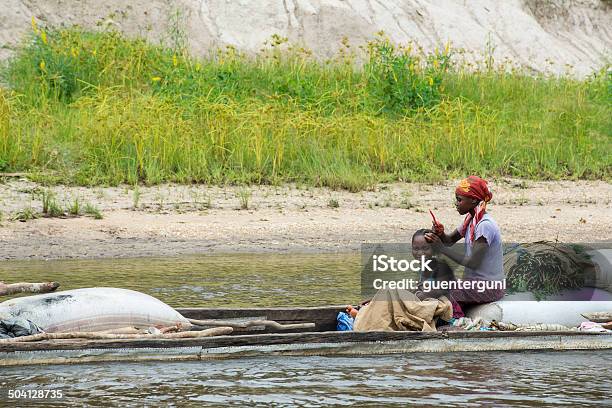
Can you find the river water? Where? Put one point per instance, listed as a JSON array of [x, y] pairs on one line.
[[211, 280], [447, 379]]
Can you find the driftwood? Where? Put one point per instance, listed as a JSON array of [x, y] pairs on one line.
[[122, 330], [14, 174], [598, 317], [252, 323], [217, 331], [323, 316], [170, 329], [547, 327], [133, 330], [23, 174], [22, 287]]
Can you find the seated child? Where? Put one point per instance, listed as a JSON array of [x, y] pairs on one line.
[[440, 271]]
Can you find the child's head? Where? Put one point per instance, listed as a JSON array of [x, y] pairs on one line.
[[420, 246]]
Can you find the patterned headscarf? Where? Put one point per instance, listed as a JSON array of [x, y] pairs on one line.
[[476, 188]]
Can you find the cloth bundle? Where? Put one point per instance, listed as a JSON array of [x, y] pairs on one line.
[[17, 327], [401, 310]]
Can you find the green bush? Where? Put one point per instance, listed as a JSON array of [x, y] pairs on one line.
[[399, 81]]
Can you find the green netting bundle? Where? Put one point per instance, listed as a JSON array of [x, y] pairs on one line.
[[545, 268]]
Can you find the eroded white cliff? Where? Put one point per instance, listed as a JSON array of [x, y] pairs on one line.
[[575, 33]]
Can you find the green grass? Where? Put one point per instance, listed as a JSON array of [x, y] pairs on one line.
[[245, 196], [25, 214], [333, 203], [93, 211], [50, 206], [96, 108], [75, 208]]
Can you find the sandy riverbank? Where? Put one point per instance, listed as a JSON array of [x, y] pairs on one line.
[[172, 220]]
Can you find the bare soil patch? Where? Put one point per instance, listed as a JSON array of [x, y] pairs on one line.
[[171, 220]]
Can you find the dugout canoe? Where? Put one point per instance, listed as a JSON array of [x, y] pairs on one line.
[[322, 339]]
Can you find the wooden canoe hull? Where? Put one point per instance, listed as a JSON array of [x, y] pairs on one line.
[[322, 341], [294, 344]]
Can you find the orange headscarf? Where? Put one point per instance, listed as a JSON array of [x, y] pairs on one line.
[[476, 188]]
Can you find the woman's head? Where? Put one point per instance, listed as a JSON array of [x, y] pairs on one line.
[[465, 204], [420, 246], [470, 192]]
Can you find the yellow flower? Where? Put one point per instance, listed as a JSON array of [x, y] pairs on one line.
[[174, 60], [34, 25], [156, 79], [74, 52], [430, 81], [43, 36], [42, 66]]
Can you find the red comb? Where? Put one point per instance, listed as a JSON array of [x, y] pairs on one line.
[[434, 218]]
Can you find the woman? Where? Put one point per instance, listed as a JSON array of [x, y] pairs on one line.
[[483, 256]]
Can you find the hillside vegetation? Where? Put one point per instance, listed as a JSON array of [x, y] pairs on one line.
[[97, 108]]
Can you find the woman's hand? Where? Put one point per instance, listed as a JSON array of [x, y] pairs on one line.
[[436, 225], [433, 239], [438, 229]]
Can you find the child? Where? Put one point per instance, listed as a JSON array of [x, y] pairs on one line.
[[440, 271]]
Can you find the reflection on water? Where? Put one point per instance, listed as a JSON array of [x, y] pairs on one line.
[[468, 379], [209, 280]]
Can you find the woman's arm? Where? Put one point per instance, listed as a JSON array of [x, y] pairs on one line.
[[446, 239], [451, 238]]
